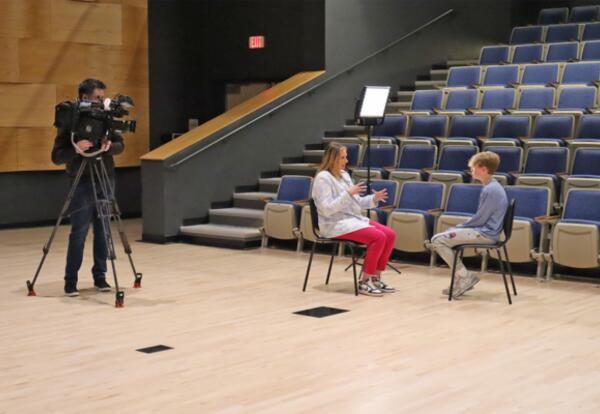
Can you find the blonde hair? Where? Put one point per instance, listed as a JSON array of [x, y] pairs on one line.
[[487, 159], [329, 161]]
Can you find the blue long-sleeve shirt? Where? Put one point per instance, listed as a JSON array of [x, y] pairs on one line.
[[489, 217]]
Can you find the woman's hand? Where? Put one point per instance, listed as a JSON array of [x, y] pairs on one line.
[[380, 195], [357, 189]]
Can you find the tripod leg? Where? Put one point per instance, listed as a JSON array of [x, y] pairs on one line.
[[63, 211], [104, 213], [124, 240]]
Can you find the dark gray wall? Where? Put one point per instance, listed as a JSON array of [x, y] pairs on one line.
[[354, 28]]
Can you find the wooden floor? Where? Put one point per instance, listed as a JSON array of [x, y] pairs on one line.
[[239, 349]]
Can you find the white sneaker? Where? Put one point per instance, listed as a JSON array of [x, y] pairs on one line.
[[366, 287], [381, 285], [462, 285]]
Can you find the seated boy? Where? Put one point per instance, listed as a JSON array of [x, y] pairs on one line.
[[484, 227]]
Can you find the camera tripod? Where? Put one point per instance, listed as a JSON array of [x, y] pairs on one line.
[[106, 209]]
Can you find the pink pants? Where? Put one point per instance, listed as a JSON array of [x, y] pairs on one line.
[[380, 243]]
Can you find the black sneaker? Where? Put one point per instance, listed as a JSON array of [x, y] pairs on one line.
[[381, 285], [366, 287], [101, 285], [71, 289]]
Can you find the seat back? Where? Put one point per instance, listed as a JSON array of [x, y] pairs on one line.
[[418, 195], [314, 218], [392, 190], [391, 126], [562, 52], [511, 126], [539, 74], [528, 54], [526, 34], [581, 73], [426, 100], [494, 55], [463, 76], [470, 126], [586, 162], [531, 202], [501, 75], [499, 99], [456, 157], [554, 126], [591, 31], [562, 33], [589, 127], [381, 155], [536, 98], [415, 156], [577, 98], [544, 160], [555, 15], [463, 198], [582, 14], [510, 158], [294, 188], [582, 205], [509, 217], [591, 50], [462, 99], [352, 154], [428, 126]]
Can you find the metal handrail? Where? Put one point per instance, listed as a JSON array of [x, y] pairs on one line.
[[316, 86]]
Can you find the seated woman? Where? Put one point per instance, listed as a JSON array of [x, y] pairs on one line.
[[339, 204]]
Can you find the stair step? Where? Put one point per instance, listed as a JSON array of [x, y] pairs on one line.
[[298, 168], [429, 84], [222, 235], [462, 62], [351, 130], [439, 74], [269, 184], [235, 216], [313, 156], [405, 96], [253, 199], [399, 105]]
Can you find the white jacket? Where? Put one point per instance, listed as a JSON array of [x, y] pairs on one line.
[[339, 212]]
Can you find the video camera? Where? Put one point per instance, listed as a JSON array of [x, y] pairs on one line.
[[93, 121]]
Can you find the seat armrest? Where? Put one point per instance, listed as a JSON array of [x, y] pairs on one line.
[[266, 199], [301, 202], [435, 211], [427, 170], [547, 219]]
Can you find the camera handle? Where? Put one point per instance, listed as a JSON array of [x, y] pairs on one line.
[[82, 153]]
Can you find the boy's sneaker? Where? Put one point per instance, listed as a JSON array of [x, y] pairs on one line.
[[462, 285], [366, 287], [381, 285], [71, 289], [101, 285]]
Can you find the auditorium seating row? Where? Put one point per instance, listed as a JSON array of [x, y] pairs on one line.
[[555, 33], [579, 14], [535, 53]]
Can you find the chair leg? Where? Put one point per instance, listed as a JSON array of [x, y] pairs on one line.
[[453, 272], [354, 271], [312, 252], [333, 249], [512, 280], [500, 261]]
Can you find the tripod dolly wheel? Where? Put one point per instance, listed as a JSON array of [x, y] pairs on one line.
[[120, 299], [137, 284], [30, 291]]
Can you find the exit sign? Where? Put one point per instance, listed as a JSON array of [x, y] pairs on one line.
[[256, 42]]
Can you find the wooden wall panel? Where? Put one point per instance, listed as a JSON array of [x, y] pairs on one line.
[[46, 48]]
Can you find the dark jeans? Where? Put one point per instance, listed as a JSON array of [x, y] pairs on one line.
[[83, 211]]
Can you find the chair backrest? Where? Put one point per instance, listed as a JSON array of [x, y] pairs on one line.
[[419, 195], [510, 158], [536, 98], [543, 160], [460, 76], [511, 126], [293, 188], [582, 14], [314, 217], [527, 54], [526, 34], [591, 31], [499, 98], [463, 198], [415, 156], [562, 33], [509, 217], [577, 97], [456, 157], [531, 202], [555, 15], [353, 154], [501, 75], [562, 52], [589, 127], [428, 126], [540, 74], [582, 205], [586, 161], [554, 126], [494, 55], [426, 100], [391, 126], [383, 155], [581, 73], [391, 187], [469, 126], [462, 99], [591, 50]]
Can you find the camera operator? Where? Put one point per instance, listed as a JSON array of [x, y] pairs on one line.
[[83, 210]]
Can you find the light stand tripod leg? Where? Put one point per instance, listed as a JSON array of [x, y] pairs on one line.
[[117, 213], [63, 211], [103, 211]]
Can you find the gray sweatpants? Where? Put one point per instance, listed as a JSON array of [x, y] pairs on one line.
[[442, 243]]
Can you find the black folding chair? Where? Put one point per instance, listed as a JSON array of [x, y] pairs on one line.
[[499, 246], [335, 245]]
